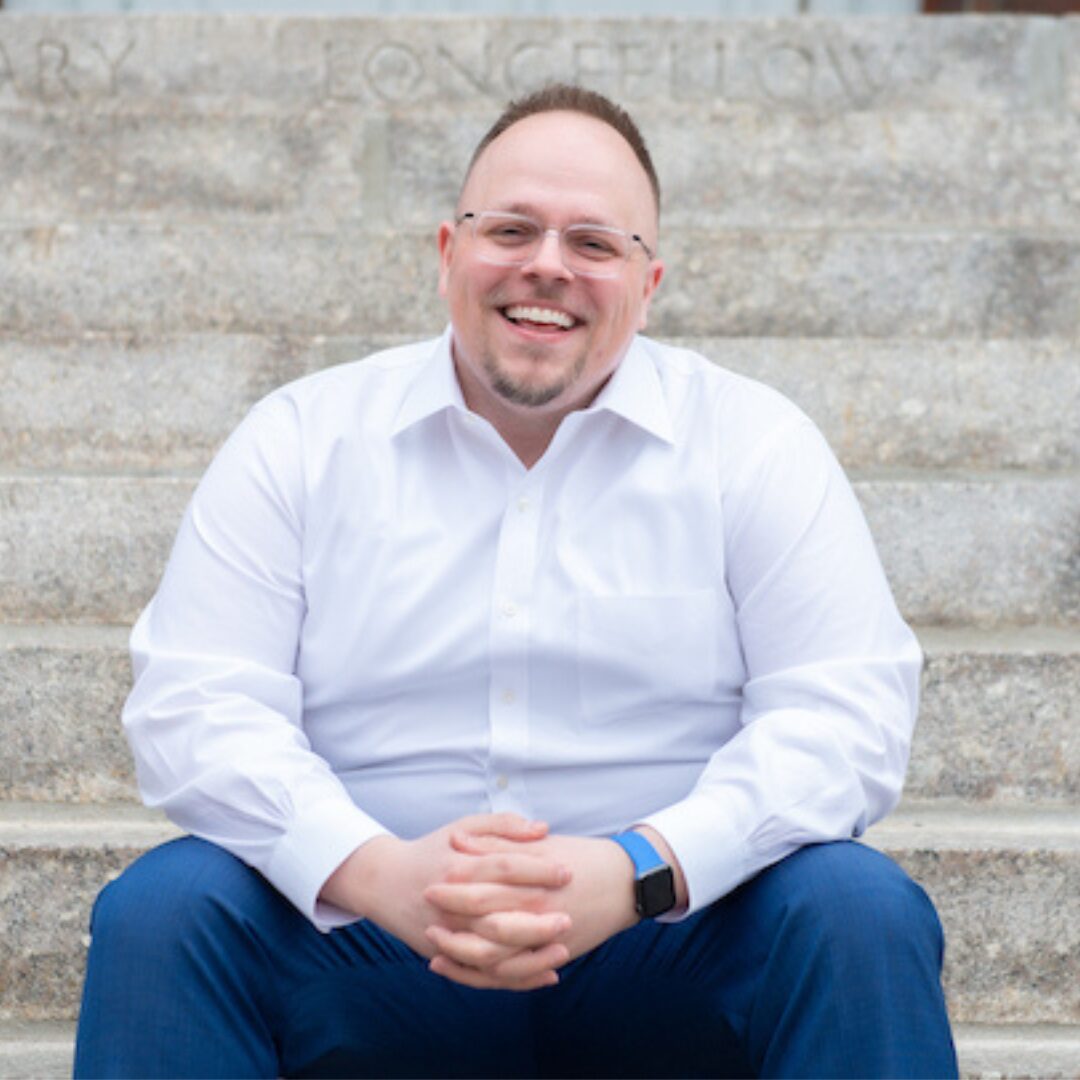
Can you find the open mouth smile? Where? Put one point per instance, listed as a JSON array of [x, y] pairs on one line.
[[531, 317]]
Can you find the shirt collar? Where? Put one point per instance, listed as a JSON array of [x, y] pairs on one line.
[[435, 388], [634, 391]]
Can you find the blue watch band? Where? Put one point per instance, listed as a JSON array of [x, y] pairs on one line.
[[654, 882], [643, 855]]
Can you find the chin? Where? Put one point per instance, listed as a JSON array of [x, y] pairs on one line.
[[534, 395]]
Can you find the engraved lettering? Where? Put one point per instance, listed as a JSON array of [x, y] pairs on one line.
[[479, 84], [584, 72], [337, 85], [711, 80], [719, 55], [629, 69], [394, 71], [42, 240], [52, 63], [7, 72], [786, 72], [113, 64], [869, 87], [520, 74]]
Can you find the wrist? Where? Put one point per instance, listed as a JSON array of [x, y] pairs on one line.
[[654, 880], [663, 848], [358, 883]]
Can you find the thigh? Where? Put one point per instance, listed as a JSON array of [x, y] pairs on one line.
[[198, 967], [800, 971], [660, 999]]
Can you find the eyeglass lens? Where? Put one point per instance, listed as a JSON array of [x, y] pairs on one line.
[[510, 240]]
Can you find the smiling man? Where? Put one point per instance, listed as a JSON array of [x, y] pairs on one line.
[[532, 345], [523, 692]]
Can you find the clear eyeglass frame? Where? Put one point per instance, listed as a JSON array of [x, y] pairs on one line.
[[596, 251]]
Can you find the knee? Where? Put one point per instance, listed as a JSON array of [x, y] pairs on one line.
[[849, 897], [168, 894]]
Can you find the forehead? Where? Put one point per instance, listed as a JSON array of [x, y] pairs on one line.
[[562, 165]]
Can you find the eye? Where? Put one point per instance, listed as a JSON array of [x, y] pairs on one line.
[[595, 244], [508, 233]]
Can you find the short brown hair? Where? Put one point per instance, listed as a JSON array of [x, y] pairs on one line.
[[565, 97]]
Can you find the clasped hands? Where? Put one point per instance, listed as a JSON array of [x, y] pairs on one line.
[[494, 901]]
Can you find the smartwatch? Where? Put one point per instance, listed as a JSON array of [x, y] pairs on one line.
[[654, 880]]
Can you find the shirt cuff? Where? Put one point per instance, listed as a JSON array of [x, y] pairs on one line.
[[712, 858], [315, 846]]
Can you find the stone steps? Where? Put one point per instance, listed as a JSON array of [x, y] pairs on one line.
[[999, 723], [976, 548], [1003, 881], [273, 277], [35, 1051], [986, 65], [108, 401], [880, 217], [745, 168]]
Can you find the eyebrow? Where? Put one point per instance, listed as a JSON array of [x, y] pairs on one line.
[[525, 210]]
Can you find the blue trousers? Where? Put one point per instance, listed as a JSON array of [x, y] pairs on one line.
[[827, 964]]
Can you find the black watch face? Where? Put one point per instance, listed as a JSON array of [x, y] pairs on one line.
[[656, 892]]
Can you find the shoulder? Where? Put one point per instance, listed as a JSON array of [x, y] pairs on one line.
[[353, 399], [299, 427], [366, 382], [743, 414]]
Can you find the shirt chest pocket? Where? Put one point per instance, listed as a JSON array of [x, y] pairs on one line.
[[639, 653]]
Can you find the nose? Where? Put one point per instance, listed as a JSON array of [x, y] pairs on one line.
[[547, 260]]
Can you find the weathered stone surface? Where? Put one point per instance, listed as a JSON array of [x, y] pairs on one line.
[[268, 278], [397, 63], [33, 1051], [1010, 1051], [262, 278], [79, 548], [61, 691], [999, 719], [946, 170], [1006, 891], [30, 1051], [111, 402], [719, 168], [999, 722], [62, 164], [872, 284], [114, 402], [925, 404], [71, 857], [1007, 888], [744, 168], [980, 550], [1071, 39]]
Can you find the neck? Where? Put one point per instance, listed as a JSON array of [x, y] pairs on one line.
[[528, 432]]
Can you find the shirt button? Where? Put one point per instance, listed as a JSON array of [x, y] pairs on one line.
[[523, 504], [509, 697], [502, 783], [509, 609]]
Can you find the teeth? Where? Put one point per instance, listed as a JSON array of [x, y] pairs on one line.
[[540, 315]]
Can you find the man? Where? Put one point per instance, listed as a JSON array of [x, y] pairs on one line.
[[529, 686]]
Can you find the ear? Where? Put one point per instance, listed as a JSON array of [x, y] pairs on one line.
[[652, 282], [446, 254]]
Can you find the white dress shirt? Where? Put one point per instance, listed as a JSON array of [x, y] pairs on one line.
[[375, 618]]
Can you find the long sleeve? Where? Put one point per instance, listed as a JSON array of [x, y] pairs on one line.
[[215, 715], [831, 693]]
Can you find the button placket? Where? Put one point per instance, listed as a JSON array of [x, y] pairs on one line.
[[515, 568]]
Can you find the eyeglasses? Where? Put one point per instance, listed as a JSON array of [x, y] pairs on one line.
[[596, 251]]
